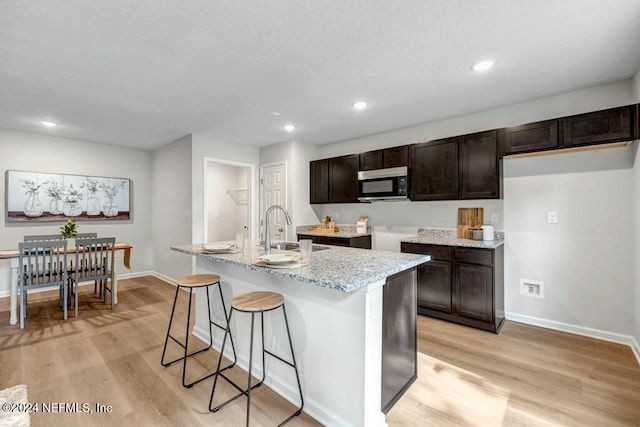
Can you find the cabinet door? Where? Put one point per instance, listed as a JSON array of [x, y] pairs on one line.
[[599, 127], [343, 179], [371, 160], [395, 156], [434, 286], [479, 166], [531, 137], [319, 181], [434, 170], [474, 291]]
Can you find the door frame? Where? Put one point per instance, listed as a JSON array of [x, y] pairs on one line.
[[251, 186], [286, 193]]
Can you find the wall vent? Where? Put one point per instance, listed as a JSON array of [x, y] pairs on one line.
[[532, 288]]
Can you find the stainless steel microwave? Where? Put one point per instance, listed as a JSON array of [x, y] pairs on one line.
[[383, 184]]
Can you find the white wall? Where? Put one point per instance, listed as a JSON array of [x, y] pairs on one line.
[[43, 153], [586, 260], [636, 214], [171, 206]]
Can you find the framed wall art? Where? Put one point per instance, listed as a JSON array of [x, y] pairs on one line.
[[42, 197]]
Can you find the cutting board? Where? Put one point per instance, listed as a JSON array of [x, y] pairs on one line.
[[469, 218], [324, 230]]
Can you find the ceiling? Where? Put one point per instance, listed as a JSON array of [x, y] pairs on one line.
[[145, 73]]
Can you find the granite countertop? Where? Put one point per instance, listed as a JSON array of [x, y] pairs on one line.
[[344, 231], [448, 237], [340, 268]]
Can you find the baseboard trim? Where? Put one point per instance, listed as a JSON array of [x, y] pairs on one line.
[[578, 330], [163, 277], [636, 348], [318, 412]]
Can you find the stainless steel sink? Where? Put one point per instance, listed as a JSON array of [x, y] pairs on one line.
[[295, 247]]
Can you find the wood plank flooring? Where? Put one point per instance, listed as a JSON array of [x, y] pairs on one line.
[[526, 376]]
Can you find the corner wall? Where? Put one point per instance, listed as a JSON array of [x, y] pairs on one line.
[[171, 207], [636, 215], [44, 153]]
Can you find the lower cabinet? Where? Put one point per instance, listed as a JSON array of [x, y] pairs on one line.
[[461, 285], [363, 242]]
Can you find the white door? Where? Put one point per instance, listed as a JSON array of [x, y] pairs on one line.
[[273, 179]]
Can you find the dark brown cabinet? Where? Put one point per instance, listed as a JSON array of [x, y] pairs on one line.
[[363, 242], [599, 127], [319, 180], [334, 180], [387, 158], [537, 136], [461, 285], [434, 170], [479, 174]]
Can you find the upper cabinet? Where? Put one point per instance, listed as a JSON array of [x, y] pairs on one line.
[[599, 127], [343, 179], [531, 137], [434, 170], [479, 173], [334, 180], [387, 158], [319, 180]]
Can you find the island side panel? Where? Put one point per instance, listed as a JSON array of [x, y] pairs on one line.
[[336, 337]]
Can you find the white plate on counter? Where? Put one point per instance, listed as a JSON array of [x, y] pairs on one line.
[[277, 259], [219, 248]]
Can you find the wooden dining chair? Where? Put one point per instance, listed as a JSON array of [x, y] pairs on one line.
[[88, 236], [94, 262], [42, 264], [41, 237]]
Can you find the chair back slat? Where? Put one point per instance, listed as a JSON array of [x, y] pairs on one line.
[[42, 263], [40, 237], [94, 259]]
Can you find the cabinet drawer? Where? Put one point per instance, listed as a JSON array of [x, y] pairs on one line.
[[474, 256], [435, 251]]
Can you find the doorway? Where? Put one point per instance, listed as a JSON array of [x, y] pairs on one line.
[[273, 191], [227, 204]]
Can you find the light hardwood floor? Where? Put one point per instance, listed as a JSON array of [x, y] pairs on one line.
[[524, 376]]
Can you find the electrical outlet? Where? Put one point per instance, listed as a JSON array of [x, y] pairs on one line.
[[532, 288], [494, 218], [552, 217]]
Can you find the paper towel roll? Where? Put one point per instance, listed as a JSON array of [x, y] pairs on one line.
[[487, 232]]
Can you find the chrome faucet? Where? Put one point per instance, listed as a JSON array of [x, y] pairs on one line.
[[267, 236]]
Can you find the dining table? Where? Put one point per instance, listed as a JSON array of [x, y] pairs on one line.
[[14, 256]]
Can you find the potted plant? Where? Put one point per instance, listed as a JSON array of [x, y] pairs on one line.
[[73, 197], [70, 229], [93, 201], [33, 206], [110, 207], [55, 191]]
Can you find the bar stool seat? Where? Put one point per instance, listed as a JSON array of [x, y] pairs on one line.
[[189, 283], [254, 303], [257, 301]]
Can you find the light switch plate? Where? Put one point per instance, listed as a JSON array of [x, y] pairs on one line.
[[552, 217], [494, 218]]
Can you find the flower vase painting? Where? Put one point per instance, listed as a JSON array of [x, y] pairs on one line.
[[41, 197]]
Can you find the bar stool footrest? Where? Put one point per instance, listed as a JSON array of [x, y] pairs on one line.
[[242, 391]]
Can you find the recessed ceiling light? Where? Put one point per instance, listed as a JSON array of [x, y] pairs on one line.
[[484, 65], [360, 105], [289, 128], [48, 124]]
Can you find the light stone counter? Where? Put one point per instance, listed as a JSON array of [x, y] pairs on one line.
[[448, 237], [339, 268]]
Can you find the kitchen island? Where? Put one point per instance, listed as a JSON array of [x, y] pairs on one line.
[[338, 323]]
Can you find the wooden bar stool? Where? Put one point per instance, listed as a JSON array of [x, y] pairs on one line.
[[256, 302], [189, 283]]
